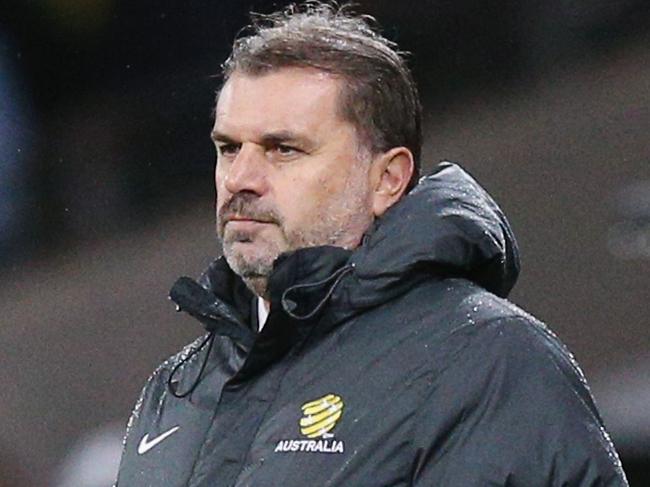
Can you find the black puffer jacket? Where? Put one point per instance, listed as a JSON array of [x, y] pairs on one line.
[[397, 364]]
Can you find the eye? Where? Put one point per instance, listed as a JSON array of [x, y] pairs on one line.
[[286, 150], [228, 150]]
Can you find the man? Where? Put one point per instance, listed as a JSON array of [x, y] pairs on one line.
[[357, 331]]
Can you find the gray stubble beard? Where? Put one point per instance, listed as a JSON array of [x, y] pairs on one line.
[[341, 224]]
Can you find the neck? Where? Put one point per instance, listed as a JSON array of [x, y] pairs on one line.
[[258, 286]]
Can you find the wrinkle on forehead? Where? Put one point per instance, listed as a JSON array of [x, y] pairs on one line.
[[293, 99], [309, 75]]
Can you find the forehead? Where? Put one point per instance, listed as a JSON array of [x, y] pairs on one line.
[[295, 99]]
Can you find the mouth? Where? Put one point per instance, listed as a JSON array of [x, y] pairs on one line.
[[245, 225], [245, 219]]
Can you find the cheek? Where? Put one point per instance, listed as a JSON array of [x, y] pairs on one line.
[[221, 192], [296, 197], [328, 188], [308, 199]]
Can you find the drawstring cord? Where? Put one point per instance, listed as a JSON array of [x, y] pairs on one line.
[[289, 305], [195, 300], [210, 341]]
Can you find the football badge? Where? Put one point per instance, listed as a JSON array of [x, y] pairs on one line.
[[319, 417]]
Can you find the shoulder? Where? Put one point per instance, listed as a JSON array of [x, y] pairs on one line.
[[491, 339], [514, 394], [185, 357], [460, 307], [481, 346], [156, 385]]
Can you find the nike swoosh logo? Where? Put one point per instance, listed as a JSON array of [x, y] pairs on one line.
[[146, 444]]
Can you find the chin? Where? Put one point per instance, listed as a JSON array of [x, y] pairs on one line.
[[247, 264]]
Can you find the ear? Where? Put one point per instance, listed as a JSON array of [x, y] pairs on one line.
[[390, 175]]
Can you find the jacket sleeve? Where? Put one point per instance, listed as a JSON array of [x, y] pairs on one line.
[[139, 422], [132, 427], [512, 409]]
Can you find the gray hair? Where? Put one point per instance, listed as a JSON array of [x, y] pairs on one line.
[[379, 96]]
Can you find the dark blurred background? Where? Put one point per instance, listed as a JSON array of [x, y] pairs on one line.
[[106, 193]]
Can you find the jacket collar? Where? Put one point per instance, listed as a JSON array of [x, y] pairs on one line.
[[447, 226]]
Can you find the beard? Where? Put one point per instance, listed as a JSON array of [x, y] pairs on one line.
[[259, 262], [340, 220]]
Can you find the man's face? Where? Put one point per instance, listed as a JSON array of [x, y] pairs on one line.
[[290, 172]]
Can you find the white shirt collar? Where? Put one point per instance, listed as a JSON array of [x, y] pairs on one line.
[[262, 314]]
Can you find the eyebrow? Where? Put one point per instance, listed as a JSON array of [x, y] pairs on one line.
[[217, 136], [268, 139]]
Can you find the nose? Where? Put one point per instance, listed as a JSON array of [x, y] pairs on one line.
[[247, 171]]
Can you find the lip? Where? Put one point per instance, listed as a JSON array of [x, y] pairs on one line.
[[246, 224], [241, 219]]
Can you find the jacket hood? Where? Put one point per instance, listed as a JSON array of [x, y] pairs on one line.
[[447, 225]]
